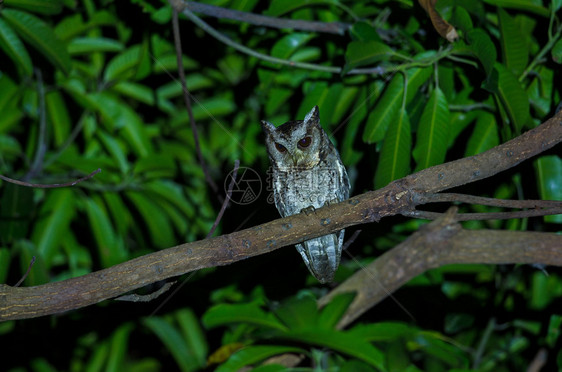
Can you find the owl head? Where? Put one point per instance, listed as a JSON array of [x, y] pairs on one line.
[[296, 143]]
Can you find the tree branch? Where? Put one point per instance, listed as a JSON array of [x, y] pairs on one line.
[[440, 243], [260, 20], [399, 196]]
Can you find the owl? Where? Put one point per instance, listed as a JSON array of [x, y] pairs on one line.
[[306, 171]]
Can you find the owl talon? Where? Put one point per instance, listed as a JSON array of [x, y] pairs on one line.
[[308, 210]]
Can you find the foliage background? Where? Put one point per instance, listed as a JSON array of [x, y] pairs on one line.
[[92, 84]]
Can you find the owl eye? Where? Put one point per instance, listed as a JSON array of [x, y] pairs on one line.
[[280, 147], [305, 142]]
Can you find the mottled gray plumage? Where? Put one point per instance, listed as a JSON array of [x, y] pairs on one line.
[[307, 171]]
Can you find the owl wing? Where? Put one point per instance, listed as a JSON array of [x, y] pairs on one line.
[[345, 186]]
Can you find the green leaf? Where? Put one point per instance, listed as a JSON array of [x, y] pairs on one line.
[[110, 249], [9, 94], [172, 193], [5, 259], [389, 104], [86, 45], [298, 312], [363, 31], [548, 171], [416, 78], [16, 206], [119, 212], [116, 150], [118, 348], [40, 35], [342, 342], [316, 94], [557, 52], [127, 64], [483, 48], [513, 98], [250, 313], [280, 7], [461, 19], [331, 314], [193, 335], [173, 341], [540, 91], [433, 344], [484, 136], [349, 154], [554, 327], [59, 116], [96, 362], [524, 5], [155, 219], [58, 211], [433, 132], [383, 331], [544, 290], [14, 48], [394, 160], [361, 53], [136, 91], [119, 115], [37, 6], [254, 354], [385, 111], [286, 46], [335, 104], [514, 50]]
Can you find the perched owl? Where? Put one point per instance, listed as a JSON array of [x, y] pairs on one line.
[[307, 171]]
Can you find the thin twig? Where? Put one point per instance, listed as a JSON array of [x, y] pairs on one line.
[[483, 342], [351, 240], [486, 216], [26, 273], [471, 199], [261, 20], [187, 100], [52, 185], [310, 66], [227, 200]]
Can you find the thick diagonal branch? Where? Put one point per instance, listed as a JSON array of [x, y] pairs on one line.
[[399, 196]]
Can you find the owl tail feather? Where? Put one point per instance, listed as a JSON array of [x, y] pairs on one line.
[[322, 255]]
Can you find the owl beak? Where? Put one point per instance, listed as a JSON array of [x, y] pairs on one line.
[[299, 158]]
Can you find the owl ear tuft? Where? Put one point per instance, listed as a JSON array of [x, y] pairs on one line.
[[313, 115], [267, 126]]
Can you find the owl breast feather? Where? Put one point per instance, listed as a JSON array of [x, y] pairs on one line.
[[297, 189]]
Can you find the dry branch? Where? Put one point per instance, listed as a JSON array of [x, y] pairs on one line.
[[400, 196], [440, 243], [261, 20]]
